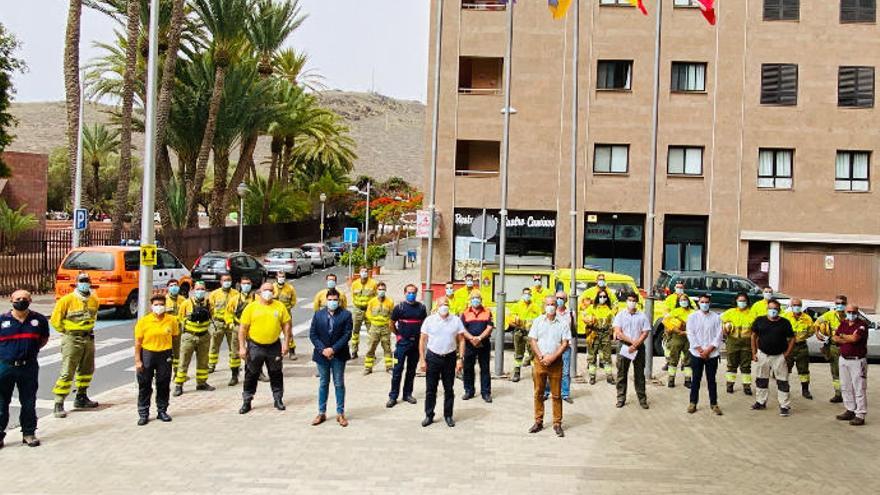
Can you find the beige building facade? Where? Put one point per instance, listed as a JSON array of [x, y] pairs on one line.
[[765, 151]]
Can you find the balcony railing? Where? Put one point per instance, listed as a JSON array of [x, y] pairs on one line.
[[487, 5], [476, 173], [480, 91]]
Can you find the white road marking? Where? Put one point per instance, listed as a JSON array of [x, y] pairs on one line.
[[114, 357], [101, 344], [302, 328]]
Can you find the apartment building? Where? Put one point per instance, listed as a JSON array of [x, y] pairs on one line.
[[765, 148]]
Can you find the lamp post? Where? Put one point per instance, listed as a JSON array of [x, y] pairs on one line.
[[367, 219], [323, 198], [242, 190]]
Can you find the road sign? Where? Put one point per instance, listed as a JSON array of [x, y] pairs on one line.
[[80, 219], [148, 255], [350, 235], [491, 227]]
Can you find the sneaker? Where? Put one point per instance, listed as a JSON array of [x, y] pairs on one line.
[[785, 412], [692, 408], [757, 406], [717, 410], [33, 441], [847, 416]]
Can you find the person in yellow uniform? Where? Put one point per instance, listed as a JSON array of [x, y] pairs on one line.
[[539, 292], [461, 298], [219, 300], [74, 317], [262, 322], [379, 317], [802, 324], [173, 300], [320, 300], [670, 303], [601, 284], [736, 324], [286, 295], [760, 307], [152, 358], [520, 320], [674, 324], [598, 319], [195, 315], [362, 290], [826, 327], [234, 309]]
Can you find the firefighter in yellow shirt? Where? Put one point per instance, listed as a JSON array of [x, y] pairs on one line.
[[219, 300], [320, 300], [826, 326], [539, 292], [597, 322], [74, 317], [736, 323], [461, 298], [602, 285], [173, 300], [520, 321], [379, 317], [362, 290], [286, 295], [670, 303], [234, 308], [802, 324], [760, 307], [152, 358], [195, 316], [674, 324]]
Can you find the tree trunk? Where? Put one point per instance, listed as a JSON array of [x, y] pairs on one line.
[[273, 167], [207, 143], [245, 162], [96, 185], [218, 195], [71, 85], [286, 158], [120, 207]]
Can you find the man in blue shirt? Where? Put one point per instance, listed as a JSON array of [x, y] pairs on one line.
[[22, 334], [330, 333], [407, 318]]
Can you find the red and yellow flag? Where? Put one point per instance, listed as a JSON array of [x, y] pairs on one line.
[[640, 5]]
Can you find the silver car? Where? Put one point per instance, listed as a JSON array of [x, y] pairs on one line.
[[291, 261], [817, 308], [320, 254]]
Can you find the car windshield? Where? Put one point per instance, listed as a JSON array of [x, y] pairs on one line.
[[279, 254], [212, 262], [89, 260], [311, 249]]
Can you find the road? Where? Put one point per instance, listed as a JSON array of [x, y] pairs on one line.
[[114, 344]]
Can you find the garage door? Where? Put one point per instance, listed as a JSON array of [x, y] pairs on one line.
[[823, 271]]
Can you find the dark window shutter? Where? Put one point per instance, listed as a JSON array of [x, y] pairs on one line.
[[790, 10], [772, 10], [788, 84], [848, 10], [858, 10], [855, 87], [769, 83], [846, 87], [865, 87]]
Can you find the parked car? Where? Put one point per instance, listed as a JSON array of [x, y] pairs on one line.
[[817, 308], [320, 254], [210, 266], [114, 271], [291, 261], [338, 247], [722, 286]]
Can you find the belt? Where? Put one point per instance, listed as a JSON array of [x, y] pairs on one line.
[[264, 345], [196, 333], [442, 355], [16, 363], [852, 358], [83, 332]]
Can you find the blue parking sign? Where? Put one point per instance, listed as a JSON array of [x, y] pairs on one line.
[[350, 235], [80, 219]]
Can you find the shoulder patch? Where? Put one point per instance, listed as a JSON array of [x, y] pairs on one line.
[[6, 324], [35, 323]]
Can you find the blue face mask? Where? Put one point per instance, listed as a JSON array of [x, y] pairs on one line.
[[333, 305], [742, 304], [449, 291], [84, 287], [331, 284], [411, 297], [840, 307], [704, 307], [796, 309], [469, 283], [851, 316], [200, 293], [601, 283], [560, 302], [380, 294], [772, 312], [476, 302], [684, 303], [245, 288], [174, 290], [527, 297]]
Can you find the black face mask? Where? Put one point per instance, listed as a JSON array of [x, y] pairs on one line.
[[21, 305]]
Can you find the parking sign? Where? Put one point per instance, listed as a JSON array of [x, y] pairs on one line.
[[350, 235], [80, 219]]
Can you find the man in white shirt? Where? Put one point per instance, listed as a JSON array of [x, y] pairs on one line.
[[548, 339], [442, 336], [631, 328], [704, 335]]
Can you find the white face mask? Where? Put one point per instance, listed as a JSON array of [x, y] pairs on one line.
[[768, 296], [267, 295], [363, 274], [159, 309], [226, 284], [631, 304], [469, 283], [443, 310], [550, 309], [679, 290], [280, 280]]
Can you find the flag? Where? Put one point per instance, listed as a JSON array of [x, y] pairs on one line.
[[558, 7], [640, 5], [707, 8]]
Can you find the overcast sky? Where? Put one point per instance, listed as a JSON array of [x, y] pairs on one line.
[[357, 45]]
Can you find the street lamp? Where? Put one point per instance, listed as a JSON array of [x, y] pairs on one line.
[[242, 190], [367, 219], [323, 198]]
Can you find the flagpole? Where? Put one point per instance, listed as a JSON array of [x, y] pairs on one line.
[[652, 194], [428, 292], [573, 298], [502, 238]]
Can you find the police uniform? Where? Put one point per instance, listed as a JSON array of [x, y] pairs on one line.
[[737, 324], [674, 323], [802, 324], [407, 319], [196, 318], [172, 308], [265, 323], [597, 319], [286, 295], [74, 317], [234, 309], [361, 293], [476, 321], [828, 324], [379, 317], [521, 316], [156, 336], [219, 299], [20, 341]]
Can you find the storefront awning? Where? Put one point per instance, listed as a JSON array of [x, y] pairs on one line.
[[809, 237]]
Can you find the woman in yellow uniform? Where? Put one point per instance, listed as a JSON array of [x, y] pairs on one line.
[[677, 341], [152, 358], [597, 320]]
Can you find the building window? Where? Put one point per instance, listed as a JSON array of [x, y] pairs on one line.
[[685, 160], [614, 242], [615, 74], [782, 10], [855, 87], [688, 77], [477, 158], [685, 3], [774, 168], [684, 242], [611, 159], [480, 75], [851, 171], [858, 11], [483, 5], [779, 84]]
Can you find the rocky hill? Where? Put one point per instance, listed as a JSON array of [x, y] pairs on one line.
[[389, 132]]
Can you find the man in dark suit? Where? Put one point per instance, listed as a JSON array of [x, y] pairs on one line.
[[330, 333]]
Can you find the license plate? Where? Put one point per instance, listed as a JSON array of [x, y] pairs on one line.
[[209, 276]]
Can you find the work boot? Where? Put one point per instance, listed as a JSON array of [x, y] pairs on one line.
[[847, 416], [354, 354], [368, 371], [805, 391], [205, 387], [163, 417], [234, 380], [747, 389], [59, 411], [729, 387], [837, 399], [665, 367], [671, 382], [279, 405], [609, 379], [245, 407], [515, 377], [592, 379], [291, 354], [82, 401], [687, 382], [178, 390], [212, 368]]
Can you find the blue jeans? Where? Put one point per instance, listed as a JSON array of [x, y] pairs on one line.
[[335, 366], [566, 376]]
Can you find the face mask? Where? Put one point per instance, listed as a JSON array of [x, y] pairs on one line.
[[331, 284], [21, 305], [84, 287], [449, 291], [199, 293], [704, 307], [768, 296], [840, 307], [411, 297], [267, 295], [280, 280], [443, 310], [851, 316], [549, 309], [742, 304], [603, 300], [537, 283], [772, 313], [631, 305], [226, 284], [601, 283], [476, 302], [796, 309], [245, 288], [560, 302], [363, 274], [381, 294], [174, 290], [679, 290], [333, 305], [469, 283], [684, 303], [527, 297], [159, 309]]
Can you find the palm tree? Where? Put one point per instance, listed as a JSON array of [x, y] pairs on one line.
[[71, 82], [99, 144], [269, 27], [291, 65], [13, 223]]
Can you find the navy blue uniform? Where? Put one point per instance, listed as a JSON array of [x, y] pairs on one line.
[[20, 341], [408, 319], [476, 321]]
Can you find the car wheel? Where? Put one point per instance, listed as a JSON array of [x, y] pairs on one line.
[[298, 274], [130, 308]]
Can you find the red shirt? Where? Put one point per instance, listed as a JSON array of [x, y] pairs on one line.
[[858, 349]]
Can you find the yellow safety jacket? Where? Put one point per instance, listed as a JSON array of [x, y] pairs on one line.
[[379, 311], [320, 300], [172, 304], [828, 323], [801, 324], [538, 295], [738, 323], [674, 322], [75, 313], [671, 301], [235, 306], [523, 314], [759, 308], [593, 291], [362, 292], [284, 294], [599, 317], [460, 299], [192, 315], [219, 300]]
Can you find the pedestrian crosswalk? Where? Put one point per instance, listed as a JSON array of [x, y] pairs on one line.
[[52, 358]]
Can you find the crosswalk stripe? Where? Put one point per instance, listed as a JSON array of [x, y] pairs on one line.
[[114, 357], [51, 344], [301, 328], [101, 344]]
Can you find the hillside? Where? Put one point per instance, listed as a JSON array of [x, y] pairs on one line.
[[389, 132]]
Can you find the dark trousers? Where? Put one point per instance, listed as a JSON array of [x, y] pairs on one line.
[[473, 355], [440, 368], [407, 353], [638, 366], [157, 366], [25, 378], [257, 356], [710, 366]]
